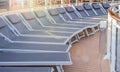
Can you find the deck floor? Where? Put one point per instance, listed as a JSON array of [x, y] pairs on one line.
[[87, 55]]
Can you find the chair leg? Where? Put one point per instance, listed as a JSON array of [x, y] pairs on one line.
[[60, 69], [81, 35]]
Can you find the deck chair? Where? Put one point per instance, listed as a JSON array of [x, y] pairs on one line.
[[7, 45], [89, 10], [42, 19], [76, 17], [105, 6], [77, 20], [22, 29], [98, 9], [10, 34], [45, 20], [92, 25], [57, 19], [26, 69], [34, 59], [9, 59], [85, 15]]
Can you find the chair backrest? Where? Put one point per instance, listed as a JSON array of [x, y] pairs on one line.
[[81, 10], [97, 8], [31, 20], [72, 13], [105, 5], [55, 15], [17, 22], [5, 30], [89, 10], [63, 13], [42, 16]]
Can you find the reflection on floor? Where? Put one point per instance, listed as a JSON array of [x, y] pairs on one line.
[[87, 55]]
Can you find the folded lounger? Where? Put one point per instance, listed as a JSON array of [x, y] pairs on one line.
[[31, 47], [59, 20], [105, 6], [9, 59], [18, 24], [26, 69], [8, 33]]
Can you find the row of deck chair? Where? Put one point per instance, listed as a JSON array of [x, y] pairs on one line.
[[30, 20], [41, 39]]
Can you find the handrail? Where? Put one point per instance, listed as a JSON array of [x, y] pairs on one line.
[[113, 14]]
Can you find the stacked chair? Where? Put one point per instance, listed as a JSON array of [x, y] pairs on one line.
[[40, 40]]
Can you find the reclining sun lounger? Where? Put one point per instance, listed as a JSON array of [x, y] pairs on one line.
[[59, 20], [9, 59], [26, 69], [45, 21], [92, 12], [85, 15], [22, 29], [105, 6], [9, 46], [8, 33], [34, 59], [75, 16]]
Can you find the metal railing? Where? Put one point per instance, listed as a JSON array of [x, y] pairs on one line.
[[113, 37]]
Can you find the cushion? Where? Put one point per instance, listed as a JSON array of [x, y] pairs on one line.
[[79, 8], [2, 23], [69, 9], [106, 5], [14, 19], [53, 12], [95, 6], [28, 15], [61, 10], [87, 7], [40, 14]]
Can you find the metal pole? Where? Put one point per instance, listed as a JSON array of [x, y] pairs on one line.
[[45, 4], [76, 2], [62, 2]]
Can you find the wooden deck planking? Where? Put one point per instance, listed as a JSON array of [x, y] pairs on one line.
[[87, 56]]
